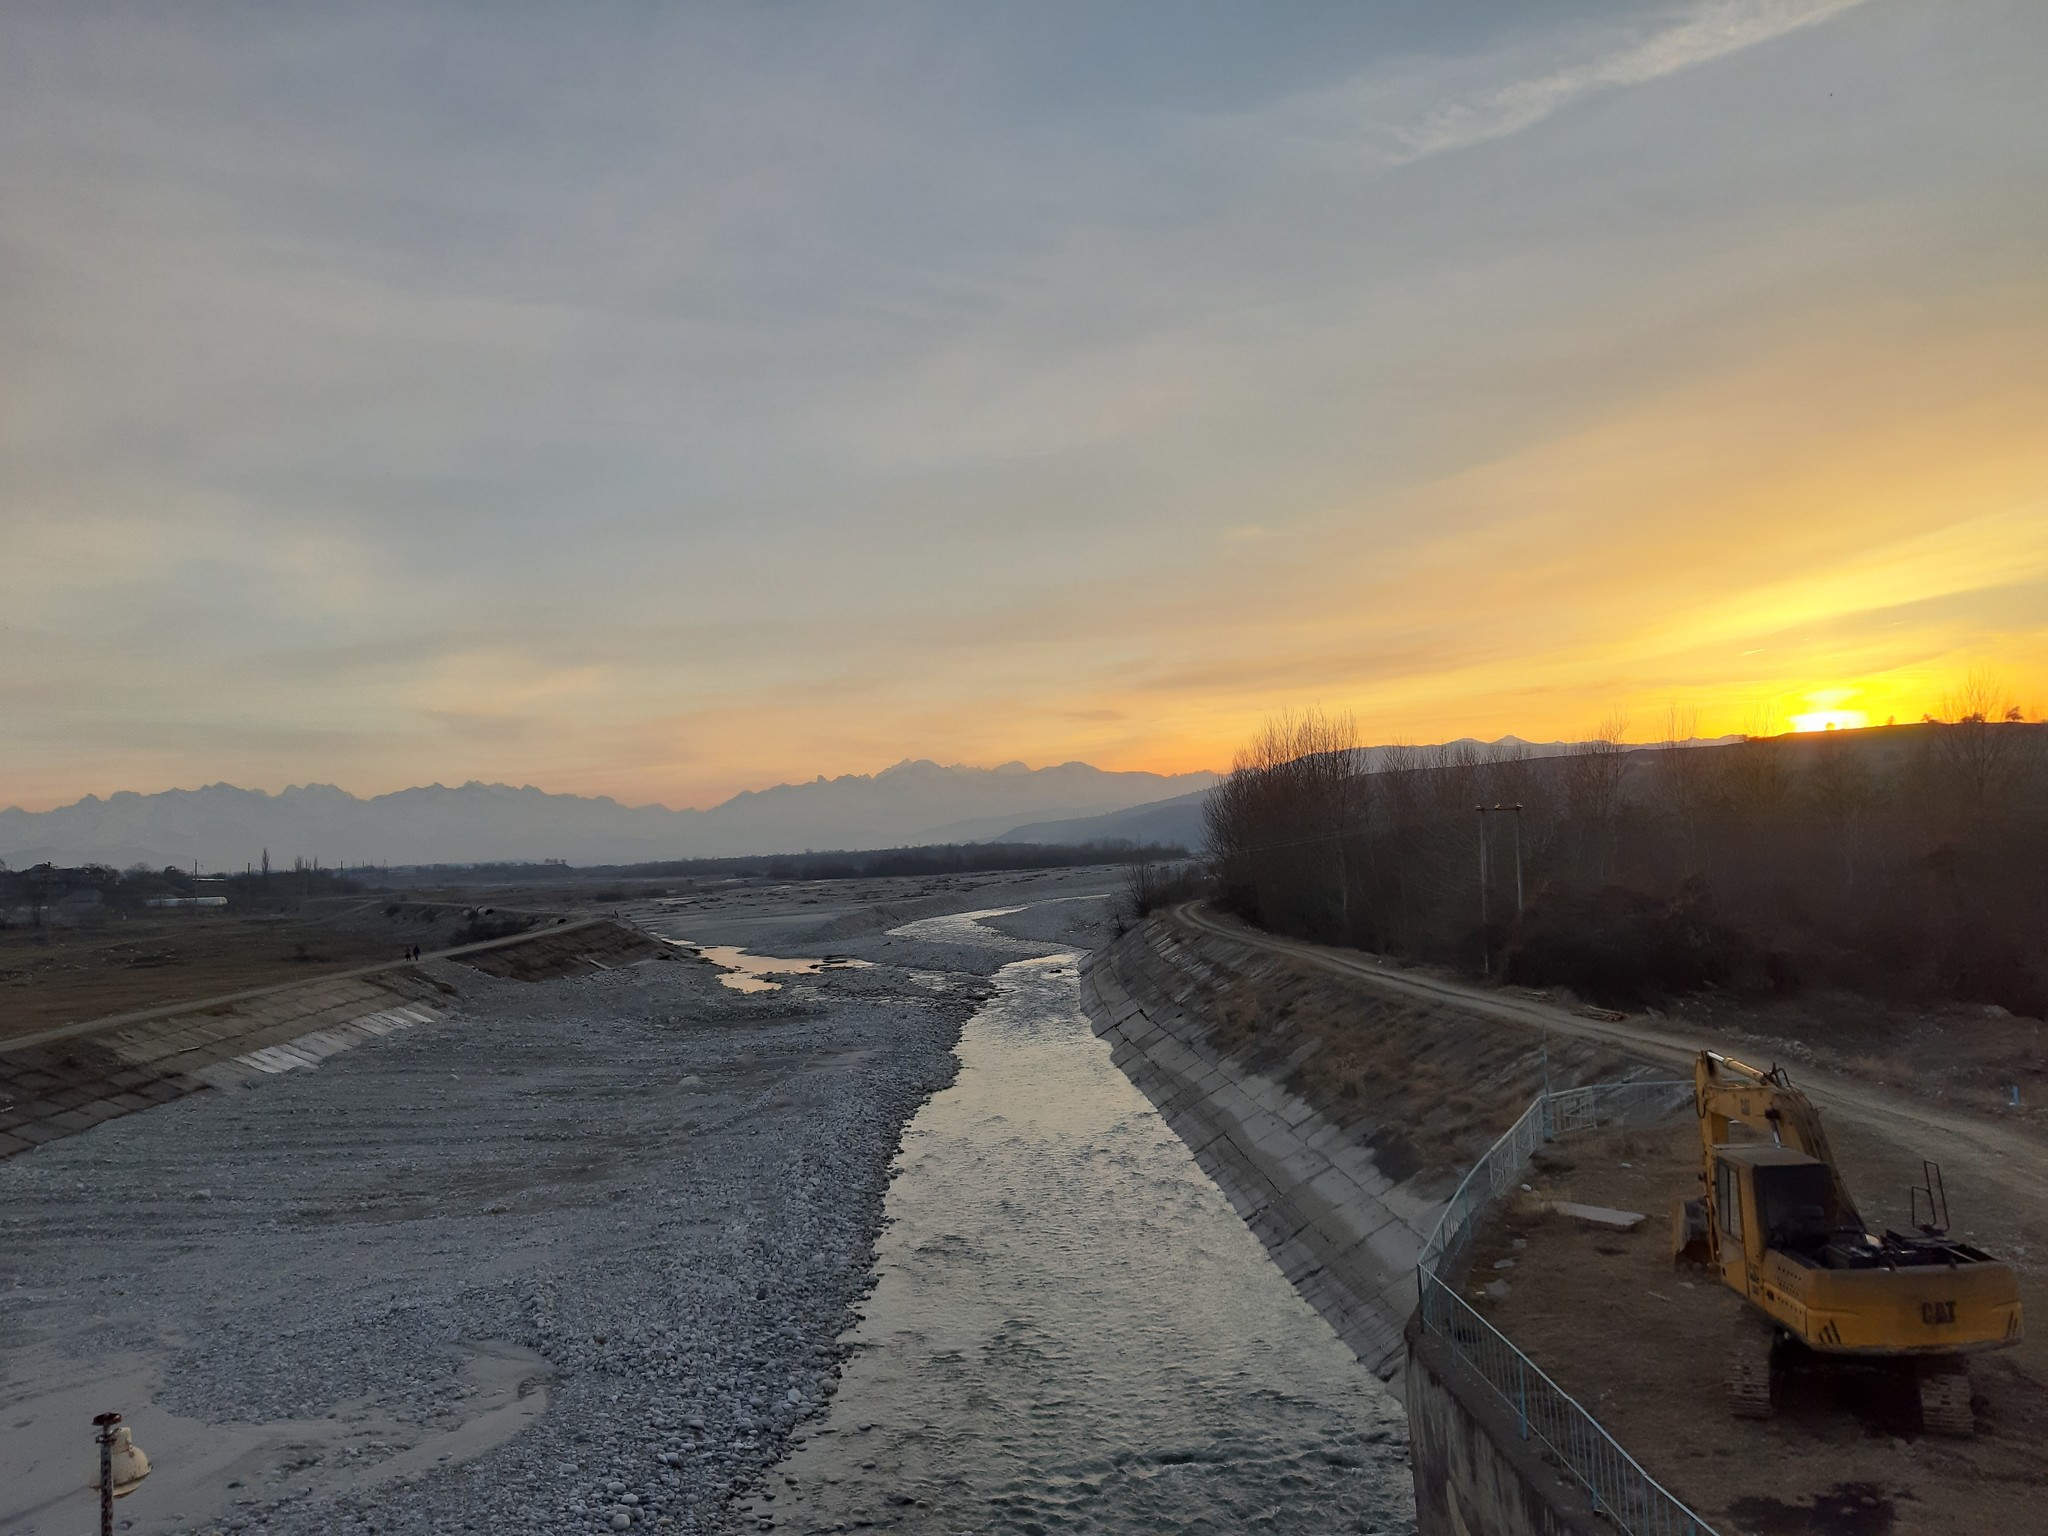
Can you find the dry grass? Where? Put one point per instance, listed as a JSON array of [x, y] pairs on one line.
[[54, 976], [1453, 1081]]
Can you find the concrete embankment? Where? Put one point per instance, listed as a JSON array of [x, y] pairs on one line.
[[1335, 1116], [68, 1080], [1340, 1229], [1475, 1474]]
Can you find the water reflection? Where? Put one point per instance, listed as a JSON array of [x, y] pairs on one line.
[[750, 973]]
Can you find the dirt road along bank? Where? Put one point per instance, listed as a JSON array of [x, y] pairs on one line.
[[2009, 1152], [575, 1257], [61, 979]]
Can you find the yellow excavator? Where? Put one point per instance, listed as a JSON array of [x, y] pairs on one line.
[[1776, 1222]]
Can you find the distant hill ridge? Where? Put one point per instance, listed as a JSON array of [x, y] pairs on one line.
[[1179, 820], [225, 827]]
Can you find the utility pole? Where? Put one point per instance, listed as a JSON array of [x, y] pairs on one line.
[[1485, 945], [1517, 809]]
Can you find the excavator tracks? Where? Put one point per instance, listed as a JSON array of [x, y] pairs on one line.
[[1945, 1399], [1750, 1369]]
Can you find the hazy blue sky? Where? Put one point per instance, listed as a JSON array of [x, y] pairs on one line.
[[662, 400]]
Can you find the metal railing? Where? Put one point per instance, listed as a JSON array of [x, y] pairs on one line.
[[1620, 1489]]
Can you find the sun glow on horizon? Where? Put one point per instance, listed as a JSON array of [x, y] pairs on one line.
[[1830, 720], [1826, 711]]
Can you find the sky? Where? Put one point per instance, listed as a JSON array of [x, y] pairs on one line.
[[664, 400]]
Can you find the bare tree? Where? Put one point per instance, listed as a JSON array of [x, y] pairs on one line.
[[1832, 860], [1980, 745], [1281, 824], [1594, 771], [1755, 780], [1845, 794], [1681, 783]]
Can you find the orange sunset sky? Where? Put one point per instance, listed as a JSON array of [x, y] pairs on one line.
[[667, 408]]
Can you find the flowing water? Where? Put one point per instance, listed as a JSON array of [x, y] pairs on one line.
[[1072, 1330], [743, 972]]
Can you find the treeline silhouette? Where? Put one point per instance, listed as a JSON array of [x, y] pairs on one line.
[[853, 864], [30, 894], [1907, 862]]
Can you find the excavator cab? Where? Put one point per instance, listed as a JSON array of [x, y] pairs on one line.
[[1765, 1198], [1795, 1201]]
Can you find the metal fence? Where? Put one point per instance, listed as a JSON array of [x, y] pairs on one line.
[[1621, 1490]]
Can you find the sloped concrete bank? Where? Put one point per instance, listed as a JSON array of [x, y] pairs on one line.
[[58, 1088], [1336, 1116], [1345, 1233]]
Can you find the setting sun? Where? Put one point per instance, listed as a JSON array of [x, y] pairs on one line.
[[1831, 720]]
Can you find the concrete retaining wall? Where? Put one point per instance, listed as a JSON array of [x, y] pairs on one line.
[[1474, 1474], [69, 1079]]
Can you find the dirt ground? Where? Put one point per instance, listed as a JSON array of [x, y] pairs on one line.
[[117, 963], [1641, 1344], [1968, 1055]]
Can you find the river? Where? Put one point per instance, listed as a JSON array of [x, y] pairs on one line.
[[1072, 1331]]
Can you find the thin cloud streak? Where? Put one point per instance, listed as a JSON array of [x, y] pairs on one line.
[[1378, 104]]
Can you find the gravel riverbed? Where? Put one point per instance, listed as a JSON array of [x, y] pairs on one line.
[[576, 1258]]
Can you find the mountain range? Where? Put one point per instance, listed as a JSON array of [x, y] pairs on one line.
[[224, 827], [915, 802]]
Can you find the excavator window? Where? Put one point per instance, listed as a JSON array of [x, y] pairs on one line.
[[1728, 1199], [1797, 1205]]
